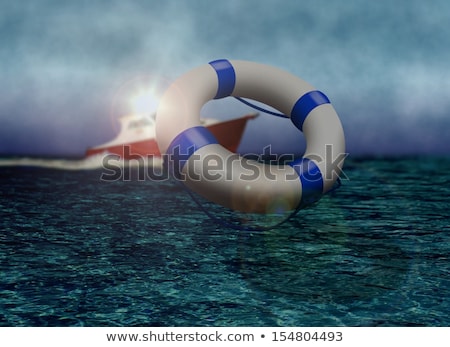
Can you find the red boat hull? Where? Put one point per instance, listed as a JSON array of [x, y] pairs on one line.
[[228, 133]]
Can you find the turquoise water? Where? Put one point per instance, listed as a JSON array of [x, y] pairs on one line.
[[78, 251]]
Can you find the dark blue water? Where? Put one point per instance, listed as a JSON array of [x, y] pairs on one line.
[[78, 251]]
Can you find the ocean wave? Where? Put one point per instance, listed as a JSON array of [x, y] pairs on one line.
[[89, 163]]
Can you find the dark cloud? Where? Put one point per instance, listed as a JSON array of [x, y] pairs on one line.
[[379, 62]]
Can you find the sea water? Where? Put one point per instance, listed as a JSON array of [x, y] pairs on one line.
[[76, 250]]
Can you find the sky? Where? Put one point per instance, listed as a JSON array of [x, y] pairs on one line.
[[70, 68]]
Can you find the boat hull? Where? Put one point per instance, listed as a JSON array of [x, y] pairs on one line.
[[227, 133]]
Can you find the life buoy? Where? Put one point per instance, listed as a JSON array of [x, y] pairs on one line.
[[204, 166]]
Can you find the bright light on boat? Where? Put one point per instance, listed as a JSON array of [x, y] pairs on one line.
[[144, 102]]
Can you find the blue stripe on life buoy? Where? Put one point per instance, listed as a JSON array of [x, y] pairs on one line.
[[311, 179], [305, 105], [185, 144], [226, 76]]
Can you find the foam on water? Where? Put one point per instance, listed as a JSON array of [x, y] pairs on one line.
[[88, 163]]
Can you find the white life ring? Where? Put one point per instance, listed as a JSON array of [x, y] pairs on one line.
[[234, 181]]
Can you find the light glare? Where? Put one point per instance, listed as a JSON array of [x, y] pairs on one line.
[[144, 102]]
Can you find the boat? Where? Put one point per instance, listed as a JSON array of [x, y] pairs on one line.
[[137, 136]]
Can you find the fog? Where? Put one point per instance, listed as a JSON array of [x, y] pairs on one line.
[[66, 67]]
